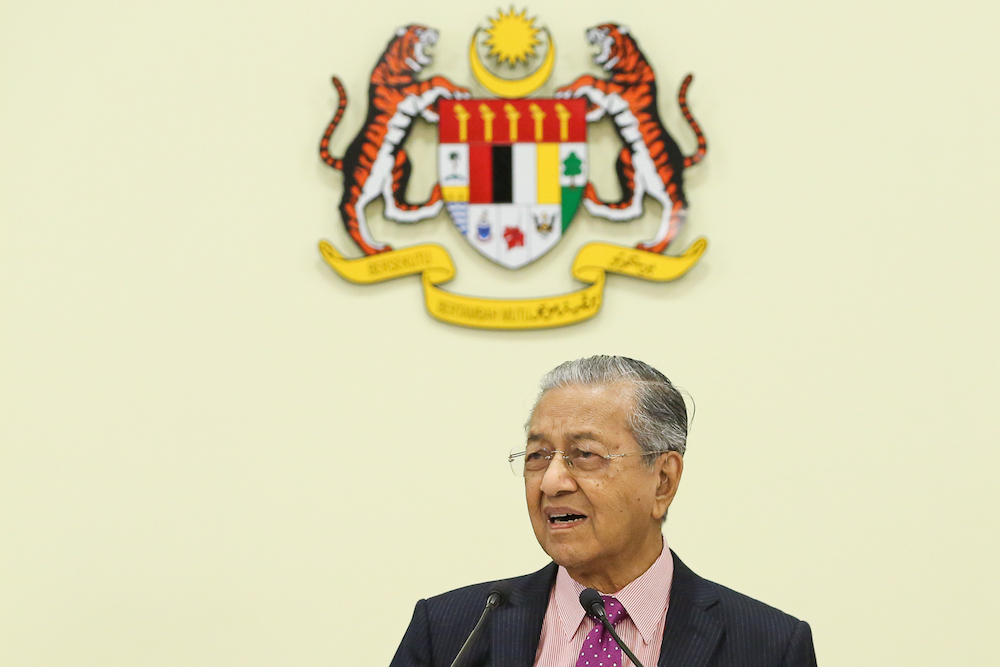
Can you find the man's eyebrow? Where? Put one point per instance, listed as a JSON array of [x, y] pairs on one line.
[[575, 437]]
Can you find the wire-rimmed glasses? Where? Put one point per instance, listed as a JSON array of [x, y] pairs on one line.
[[589, 458]]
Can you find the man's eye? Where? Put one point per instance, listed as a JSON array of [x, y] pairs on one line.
[[536, 455], [586, 451]]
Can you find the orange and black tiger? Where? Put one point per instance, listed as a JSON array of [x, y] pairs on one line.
[[375, 163], [650, 162]]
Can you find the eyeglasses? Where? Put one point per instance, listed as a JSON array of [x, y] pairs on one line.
[[590, 459]]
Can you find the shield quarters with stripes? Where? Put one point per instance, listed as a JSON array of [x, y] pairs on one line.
[[512, 173]]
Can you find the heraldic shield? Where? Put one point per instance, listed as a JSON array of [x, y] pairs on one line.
[[512, 172]]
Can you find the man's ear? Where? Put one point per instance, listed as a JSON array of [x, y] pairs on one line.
[[668, 468]]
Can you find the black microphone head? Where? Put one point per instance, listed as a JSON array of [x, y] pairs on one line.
[[592, 603], [499, 593]]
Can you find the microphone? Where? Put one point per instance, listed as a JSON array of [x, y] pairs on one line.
[[498, 595], [592, 603]]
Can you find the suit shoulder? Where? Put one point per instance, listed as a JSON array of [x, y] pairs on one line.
[[473, 597], [474, 594], [705, 593], [751, 627], [756, 628], [442, 623], [736, 603]]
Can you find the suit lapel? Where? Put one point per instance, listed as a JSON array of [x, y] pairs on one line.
[[692, 631], [517, 625]]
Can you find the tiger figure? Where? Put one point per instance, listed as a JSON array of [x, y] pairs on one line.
[[650, 161], [375, 163]]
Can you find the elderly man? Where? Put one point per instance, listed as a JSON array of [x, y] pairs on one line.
[[601, 465]]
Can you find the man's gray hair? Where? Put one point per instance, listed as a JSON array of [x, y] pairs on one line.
[[658, 420]]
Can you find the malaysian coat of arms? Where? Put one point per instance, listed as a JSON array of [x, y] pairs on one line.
[[512, 169]]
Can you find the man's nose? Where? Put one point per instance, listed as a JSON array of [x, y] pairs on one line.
[[557, 477]]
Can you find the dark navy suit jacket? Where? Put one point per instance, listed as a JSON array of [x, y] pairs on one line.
[[707, 625]]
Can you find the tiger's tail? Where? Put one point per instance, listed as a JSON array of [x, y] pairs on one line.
[[324, 143], [691, 160]]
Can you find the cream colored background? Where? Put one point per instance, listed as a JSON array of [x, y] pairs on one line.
[[216, 452]]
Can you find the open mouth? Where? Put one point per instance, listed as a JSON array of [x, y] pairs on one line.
[[427, 40], [563, 519], [421, 58], [600, 39]]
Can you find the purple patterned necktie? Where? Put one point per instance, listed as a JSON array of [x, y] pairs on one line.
[[599, 647]]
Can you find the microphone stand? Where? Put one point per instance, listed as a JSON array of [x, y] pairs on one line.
[[494, 600]]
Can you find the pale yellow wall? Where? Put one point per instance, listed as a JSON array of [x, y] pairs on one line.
[[216, 452]]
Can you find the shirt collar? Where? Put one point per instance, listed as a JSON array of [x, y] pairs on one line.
[[645, 599]]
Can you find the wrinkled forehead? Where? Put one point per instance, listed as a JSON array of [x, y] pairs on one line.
[[584, 403]]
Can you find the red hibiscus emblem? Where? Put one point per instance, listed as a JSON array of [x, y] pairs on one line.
[[514, 237]]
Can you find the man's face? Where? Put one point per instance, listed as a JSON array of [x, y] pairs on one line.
[[619, 509]]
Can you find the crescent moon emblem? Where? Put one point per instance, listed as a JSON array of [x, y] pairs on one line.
[[512, 87]]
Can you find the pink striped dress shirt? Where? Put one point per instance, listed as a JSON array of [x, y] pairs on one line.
[[645, 599]]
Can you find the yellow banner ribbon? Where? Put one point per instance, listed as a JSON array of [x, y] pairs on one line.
[[591, 265]]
